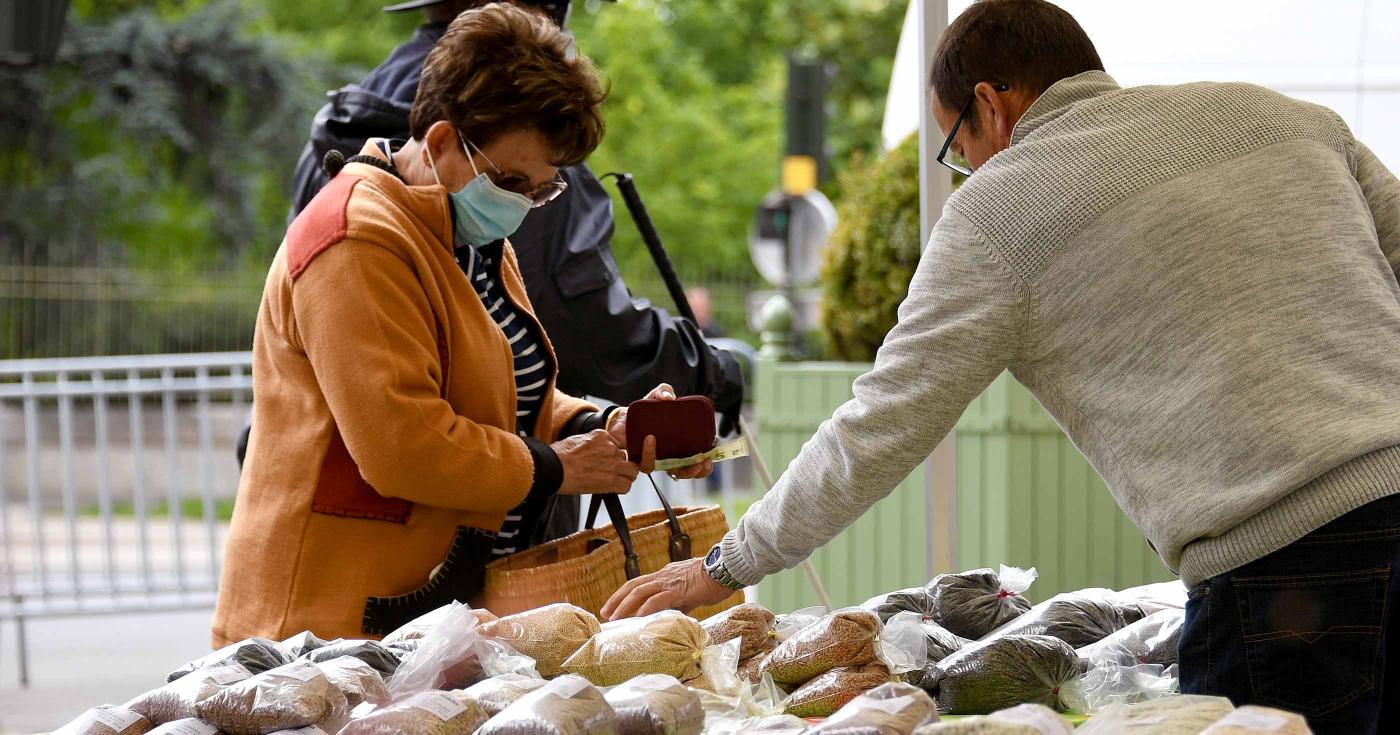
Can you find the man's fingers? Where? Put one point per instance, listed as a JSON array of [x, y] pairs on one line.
[[668, 600], [635, 599], [621, 594]]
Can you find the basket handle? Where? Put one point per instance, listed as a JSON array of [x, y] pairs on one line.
[[631, 562]]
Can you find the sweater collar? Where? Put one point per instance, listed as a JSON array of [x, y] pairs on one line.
[[1058, 99], [429, 204]]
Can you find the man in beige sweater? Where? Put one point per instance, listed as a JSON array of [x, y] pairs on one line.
[[1199, 283]]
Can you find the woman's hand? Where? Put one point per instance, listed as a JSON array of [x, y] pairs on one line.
[[594, 463], [618, 429]]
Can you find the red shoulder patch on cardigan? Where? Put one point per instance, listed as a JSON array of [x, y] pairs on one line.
[[319, 226], [341, 491]]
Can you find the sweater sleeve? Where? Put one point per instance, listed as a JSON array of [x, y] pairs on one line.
[[958, 328], [371, 338], [1382, 193]]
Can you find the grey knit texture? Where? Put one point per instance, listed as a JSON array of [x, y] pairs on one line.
[[1199, 284]]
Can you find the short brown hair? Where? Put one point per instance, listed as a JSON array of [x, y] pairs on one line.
[[501, 68], [1028, 44]]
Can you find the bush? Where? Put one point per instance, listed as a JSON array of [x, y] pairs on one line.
[[873, 252]]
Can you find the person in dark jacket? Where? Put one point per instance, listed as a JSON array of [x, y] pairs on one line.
[[608, 344]]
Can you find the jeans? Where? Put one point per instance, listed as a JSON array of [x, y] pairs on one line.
[[1313, 628]]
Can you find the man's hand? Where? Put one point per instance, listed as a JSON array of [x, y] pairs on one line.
[[682, 585], [594, 463], [618, 429]]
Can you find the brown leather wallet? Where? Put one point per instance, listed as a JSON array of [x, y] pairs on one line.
[[683, 428]]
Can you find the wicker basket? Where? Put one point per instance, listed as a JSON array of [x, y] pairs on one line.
[[587, 567]]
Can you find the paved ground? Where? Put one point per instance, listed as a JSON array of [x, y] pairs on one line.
[[76, 663]]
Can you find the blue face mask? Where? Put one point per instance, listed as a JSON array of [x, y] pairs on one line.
[[483, 212]]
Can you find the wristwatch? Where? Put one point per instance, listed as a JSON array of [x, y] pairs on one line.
[[714, 566]]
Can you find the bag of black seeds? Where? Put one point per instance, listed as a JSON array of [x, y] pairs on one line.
[[973, 604], [656, 704], [1004, 671], [940, 643], [375, 654], [1152, 640], [568, 705], [106, 720], [1077, 618], [914, 599], [255, 654], [888, 709], [287, 697], [177, 699], [425, 713], [301, 644]]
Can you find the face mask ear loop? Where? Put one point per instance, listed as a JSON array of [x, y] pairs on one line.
[[467, 149], [432, 165]]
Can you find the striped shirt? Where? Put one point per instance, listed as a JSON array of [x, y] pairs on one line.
[[482, 266]]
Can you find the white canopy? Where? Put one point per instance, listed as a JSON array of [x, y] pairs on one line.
[[1344, 54]]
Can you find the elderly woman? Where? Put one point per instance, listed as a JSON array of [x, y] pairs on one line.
[[407, 427]]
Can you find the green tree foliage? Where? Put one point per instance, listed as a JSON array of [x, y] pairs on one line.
[[163, 139], [873, 252]]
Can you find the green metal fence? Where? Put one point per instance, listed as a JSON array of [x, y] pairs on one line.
[[1024, 496]]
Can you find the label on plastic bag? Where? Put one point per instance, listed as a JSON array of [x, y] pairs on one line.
[[308, 730], [190, 727], [1253, 720], [438, 704], [228, 673], [117, 719], [888, 706], [569, 687], [301, 671]]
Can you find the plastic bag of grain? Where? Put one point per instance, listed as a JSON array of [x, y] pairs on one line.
[[549, 635], [974, 603], [1157, 596], [254, 654], [1252, 719], [301, 644], [914, 599], [1004, 671], [357, 680], [287, 697], [424, 713], [1023, 719], [187, 726], [1152, 640], [1077, 618], [822, 695], [444, 656], [106, 719], [766, 725], [844, 639], [939, 643], [419, 626], [667, 642], [1108, 684], [888, 709], [751, 669], [568, 705], [753, 624], [656, 704], [1188, 714], [177, 699], [373, 653], [499, 692]]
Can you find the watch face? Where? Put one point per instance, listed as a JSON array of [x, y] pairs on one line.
[[712, 558]]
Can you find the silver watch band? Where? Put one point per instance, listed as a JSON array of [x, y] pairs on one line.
[[720, 574]]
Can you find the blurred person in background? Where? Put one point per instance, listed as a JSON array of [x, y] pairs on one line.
[[608, 344], [408, 428]]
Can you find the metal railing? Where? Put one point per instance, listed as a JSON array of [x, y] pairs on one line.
[[111, 482]]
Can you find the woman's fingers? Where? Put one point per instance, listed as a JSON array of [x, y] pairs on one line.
[[663, 392], [648, 464]]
